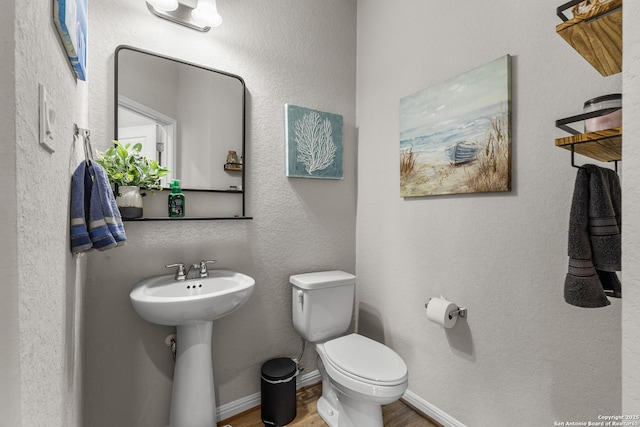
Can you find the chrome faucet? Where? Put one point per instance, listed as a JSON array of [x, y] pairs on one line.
[[196, 271], [204, 272], [180, 272], [199, 271]]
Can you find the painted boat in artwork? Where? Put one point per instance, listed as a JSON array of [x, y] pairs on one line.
[[461, 152]]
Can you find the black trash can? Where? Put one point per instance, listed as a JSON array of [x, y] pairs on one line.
[[278, 388]]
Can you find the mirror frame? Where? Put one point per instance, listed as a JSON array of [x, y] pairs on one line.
[[244, 113]]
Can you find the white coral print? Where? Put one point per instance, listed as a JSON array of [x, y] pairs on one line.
[[316, 149]]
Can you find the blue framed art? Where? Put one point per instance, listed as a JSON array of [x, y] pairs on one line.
[[70, 18], [314, 143]]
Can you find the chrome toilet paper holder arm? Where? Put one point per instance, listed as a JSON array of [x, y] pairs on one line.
[[460, 312]]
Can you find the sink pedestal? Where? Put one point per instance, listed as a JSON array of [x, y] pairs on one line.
[[193, 399], [193, 305]]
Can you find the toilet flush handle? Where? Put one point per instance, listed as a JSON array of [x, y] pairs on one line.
[[300, 297]]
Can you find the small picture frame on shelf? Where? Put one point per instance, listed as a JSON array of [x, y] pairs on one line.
[[233, 163]]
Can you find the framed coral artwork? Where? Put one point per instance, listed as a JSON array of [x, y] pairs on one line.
[[313, 141]]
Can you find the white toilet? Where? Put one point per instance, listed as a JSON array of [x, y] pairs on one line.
[[358, 374]]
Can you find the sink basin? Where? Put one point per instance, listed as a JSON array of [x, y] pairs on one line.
[[192, 306], [166, 301]]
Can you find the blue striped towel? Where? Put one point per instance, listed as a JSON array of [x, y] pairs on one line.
[[95, 218], [105, 223], [80, 197]]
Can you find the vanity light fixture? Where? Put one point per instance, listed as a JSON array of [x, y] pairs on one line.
[[202, 17], [206, 13]]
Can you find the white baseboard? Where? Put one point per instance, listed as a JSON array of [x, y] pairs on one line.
[[230, 409], [236, 407], [430, 410], [311, 378], [244, 404]]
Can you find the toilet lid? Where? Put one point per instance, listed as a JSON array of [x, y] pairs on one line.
[[365, 358]]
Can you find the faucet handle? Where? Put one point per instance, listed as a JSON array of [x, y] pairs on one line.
[[180, 273], [204, 272]]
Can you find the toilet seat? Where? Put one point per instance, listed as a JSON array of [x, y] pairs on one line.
[[365, 360]]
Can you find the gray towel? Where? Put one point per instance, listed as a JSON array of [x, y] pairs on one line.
[[594, 238]]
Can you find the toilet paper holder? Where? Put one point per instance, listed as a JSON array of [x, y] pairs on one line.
[[460, 312]]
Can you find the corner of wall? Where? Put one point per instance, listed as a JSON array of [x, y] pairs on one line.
[[631, 200]]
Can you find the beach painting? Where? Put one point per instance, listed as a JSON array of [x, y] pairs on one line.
[[455, 137]]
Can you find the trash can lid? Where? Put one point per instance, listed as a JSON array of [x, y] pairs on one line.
[[278, 369]]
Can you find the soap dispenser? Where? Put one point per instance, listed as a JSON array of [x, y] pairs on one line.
[[176, 200]]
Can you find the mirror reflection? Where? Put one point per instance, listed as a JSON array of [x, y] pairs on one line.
[[190, 118]]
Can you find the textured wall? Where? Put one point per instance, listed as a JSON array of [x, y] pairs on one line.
[[523, 356], [631, 198], [10, 332], [46, 272], [287, 51]]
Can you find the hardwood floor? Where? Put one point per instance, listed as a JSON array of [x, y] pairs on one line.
[[397, 414]]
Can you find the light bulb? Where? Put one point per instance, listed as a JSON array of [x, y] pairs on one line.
[[164, 5], [206, 13]]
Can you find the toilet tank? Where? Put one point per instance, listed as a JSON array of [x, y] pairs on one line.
[[322, 304]]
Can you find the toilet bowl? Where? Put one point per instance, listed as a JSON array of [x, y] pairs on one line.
[[364, 375], [358, 374]]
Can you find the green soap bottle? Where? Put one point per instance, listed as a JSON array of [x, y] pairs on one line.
[[176, 200]]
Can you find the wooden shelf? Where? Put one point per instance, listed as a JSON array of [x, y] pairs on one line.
[[597, 36], [603, 145]]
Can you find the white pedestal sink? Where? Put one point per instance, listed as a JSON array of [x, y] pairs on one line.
[[192, 306]]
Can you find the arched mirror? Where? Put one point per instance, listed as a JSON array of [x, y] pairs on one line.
[[189, 117]]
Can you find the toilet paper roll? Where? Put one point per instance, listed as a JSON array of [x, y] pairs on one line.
[[438, 311]]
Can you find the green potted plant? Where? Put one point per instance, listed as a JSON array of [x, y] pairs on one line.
[[129, 170]]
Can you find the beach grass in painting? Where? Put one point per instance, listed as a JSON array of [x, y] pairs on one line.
[[455, 137]]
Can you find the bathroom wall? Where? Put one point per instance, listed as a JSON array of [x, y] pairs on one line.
[[288, 51], [10, 332], [41, 279], [523, 356], [631, 197]]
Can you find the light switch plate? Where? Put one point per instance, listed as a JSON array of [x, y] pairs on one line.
[[46, 119]]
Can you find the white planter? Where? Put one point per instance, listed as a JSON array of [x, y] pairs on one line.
[[129, 201]]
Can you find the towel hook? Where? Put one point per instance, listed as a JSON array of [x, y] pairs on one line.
[[86, 143], [573, 163]]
